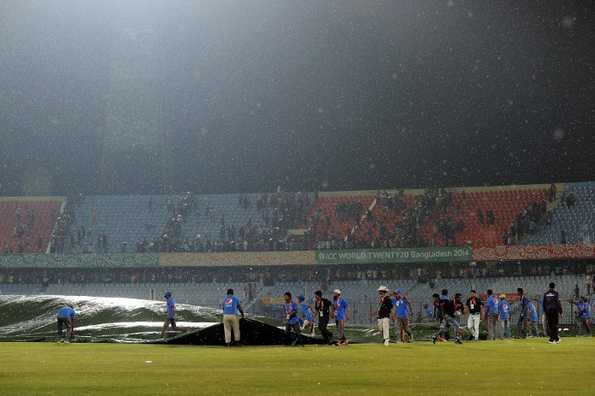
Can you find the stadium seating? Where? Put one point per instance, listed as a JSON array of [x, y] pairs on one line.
[[325, 208], [127, 220], [213, 211], [577, 222], [505, 202], [122, 218], [506, 205], [37, 217]]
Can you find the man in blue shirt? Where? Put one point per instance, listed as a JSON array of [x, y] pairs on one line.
[[306, 315], [491, 308], [583, 312], [402, 308], [231, 322], [170, 305], [340, 314], [292, 327], [504, 316], [65, 317], [533, 320], [523, 321]]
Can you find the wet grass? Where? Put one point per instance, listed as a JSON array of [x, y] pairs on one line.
[[530, 367]]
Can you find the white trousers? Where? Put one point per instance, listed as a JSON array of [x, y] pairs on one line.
[[473, 324], [384, 326]]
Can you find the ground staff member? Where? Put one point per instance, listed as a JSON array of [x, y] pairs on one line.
[[340, 314], [385, 310], [492, 314], [402, 308], [292, 327], [170, 304], [474, 308], [553, 309], [583, 312], [231, 322], [65, 318], [307, 317], [523, 315], [504, 317], [533, 320], [322, 308]]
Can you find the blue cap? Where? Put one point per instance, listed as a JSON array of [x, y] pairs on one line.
[[301, 298], [167, 294], [398, 291]]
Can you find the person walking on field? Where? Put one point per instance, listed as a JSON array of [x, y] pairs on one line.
[[322, 311], [231, 322], [402, 309], [583, 313], [533, 321], [523, 322], [170, 305], [447, 313], [385, 311], [292, 326], [306, 315], [504, 316], [492, 314], [340, 314], [553, 310], [474, 308]]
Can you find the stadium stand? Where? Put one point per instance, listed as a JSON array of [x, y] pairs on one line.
[[27, 223], [215, 212], [123, 219], [470, 216], [480, 216], [572, 220]]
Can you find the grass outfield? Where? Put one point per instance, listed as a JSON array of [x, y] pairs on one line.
[[530, 367]]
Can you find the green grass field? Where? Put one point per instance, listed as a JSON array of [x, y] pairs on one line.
[[529, 367]]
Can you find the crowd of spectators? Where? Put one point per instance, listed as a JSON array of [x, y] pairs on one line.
[[284, 210], [23, 236], [527, 222], [67, 237], [391, 222], [279, 212]]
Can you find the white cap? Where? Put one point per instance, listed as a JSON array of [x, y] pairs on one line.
[[383, 289], [337, 291]]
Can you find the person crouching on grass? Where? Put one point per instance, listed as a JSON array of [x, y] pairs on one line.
[[385, 312], [292, 327], [171, 313], [340, 314], [231, 322], [65, 318]]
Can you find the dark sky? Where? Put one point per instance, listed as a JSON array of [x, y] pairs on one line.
[[238, 96]]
